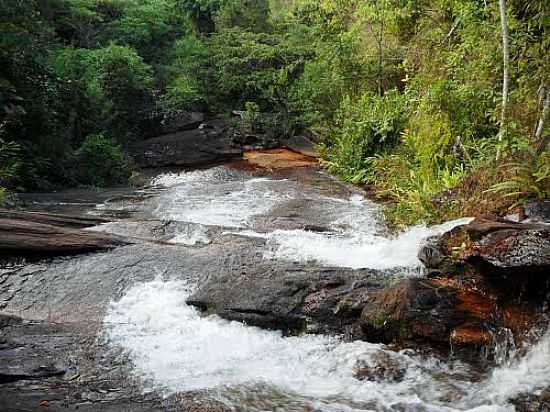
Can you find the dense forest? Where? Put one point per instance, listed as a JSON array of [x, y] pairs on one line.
[[440, 106]]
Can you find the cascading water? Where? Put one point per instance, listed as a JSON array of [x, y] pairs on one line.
[[175, 349]]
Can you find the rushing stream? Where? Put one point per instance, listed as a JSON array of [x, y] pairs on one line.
[[301, 219]]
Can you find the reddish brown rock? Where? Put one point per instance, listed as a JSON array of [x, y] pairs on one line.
[[279, 159], [508, 245], [443, 310]]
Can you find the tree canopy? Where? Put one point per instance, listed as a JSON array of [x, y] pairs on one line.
[[403, 95]]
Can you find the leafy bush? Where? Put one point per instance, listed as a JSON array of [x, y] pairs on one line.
[[10, 166], [112, 87], [363, 128], [530, 178], [183, 93], [100, 162]]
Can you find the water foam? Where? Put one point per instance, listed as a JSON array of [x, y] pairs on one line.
[[522, 375], [208, 198], [353, 248], [175, 349], [192, 236]]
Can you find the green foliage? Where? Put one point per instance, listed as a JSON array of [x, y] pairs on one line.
[[254, 66], [100, 162], [405, 95], [186, 75], [530, 178], [10, 166], [113, 82], [363, 128], [247, 14]]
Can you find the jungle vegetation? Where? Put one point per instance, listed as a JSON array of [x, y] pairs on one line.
[[439, 106]]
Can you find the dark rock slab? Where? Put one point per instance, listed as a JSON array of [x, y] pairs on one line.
[[414, 308], [485, 276], [500, 243], [507, 244], [211, 142], [382, 367], [536, 401], [173, 122], [302, 145], [537, 210], [442, 311], [291, 298]]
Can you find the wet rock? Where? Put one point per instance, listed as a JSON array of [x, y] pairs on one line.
[[414, 308], [75, 222], [490, 275], [212, 142], [506, 244], [302, 145], [443, 311], [292, 298], [173, 122], [380, 368], [8, 320], [537, 210], [537, 401]]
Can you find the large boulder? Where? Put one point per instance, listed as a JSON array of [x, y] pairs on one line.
[[506, 244], [487, 276], [291, 298], [537, 210], [496, 244], [172, 123], [441, 310], [212, 142]]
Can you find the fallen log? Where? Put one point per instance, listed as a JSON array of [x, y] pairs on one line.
[[28, 233], [77, 222]]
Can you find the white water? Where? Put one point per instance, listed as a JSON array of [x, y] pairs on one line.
[[353, 249], [355, 238], [194, 235], [213, 197], [175, 349]]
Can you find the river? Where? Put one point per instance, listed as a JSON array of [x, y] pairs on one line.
[[227, 218]]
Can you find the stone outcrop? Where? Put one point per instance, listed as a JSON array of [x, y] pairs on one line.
[[291, 298], [302, 145], [76, 222], [482, 277], [211, 142], [508, 245], [458, 311], [172, 123]]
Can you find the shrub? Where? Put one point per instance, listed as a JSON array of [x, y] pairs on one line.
[[10, 165], [530, 178], [100, 162], [364, 127]]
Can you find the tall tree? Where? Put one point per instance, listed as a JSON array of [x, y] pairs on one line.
[[506, 69]]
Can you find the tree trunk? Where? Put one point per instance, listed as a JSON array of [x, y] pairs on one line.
[[506, 70], [540, 140]]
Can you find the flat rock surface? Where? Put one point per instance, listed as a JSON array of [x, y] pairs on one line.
[[279, 159]]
